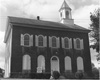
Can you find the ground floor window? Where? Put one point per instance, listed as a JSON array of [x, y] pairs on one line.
[[80, 64], [68, 65], [26, 62], [41, 64]]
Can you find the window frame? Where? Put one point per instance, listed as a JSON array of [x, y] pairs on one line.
[[81, 44], [27, 40], [57, 42], [37, 41], [68, 43], [42, 67], [41, 41], [69, 59], [26, 59], [82, 64], [22, 42], [78, 44], [53, 42]]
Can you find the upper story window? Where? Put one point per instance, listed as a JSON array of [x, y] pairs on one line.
[[54, 42], [26, 40], [40, 40], [66, 43], [78, 44]]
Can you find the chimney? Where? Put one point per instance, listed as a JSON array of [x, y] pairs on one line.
[[38, 17]]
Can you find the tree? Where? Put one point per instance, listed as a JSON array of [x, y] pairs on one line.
[[95, 72], [94, 17], [1, 72]]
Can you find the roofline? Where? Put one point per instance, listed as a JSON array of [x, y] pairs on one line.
[[54, 28], [7, 32], [8, 29]]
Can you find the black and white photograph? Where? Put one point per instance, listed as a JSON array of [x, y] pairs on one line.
[[49, 39]]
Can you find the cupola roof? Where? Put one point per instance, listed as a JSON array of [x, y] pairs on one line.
[[64, 6]]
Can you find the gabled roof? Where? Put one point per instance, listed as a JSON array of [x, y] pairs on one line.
[[64, 6], [45, 24], [24, 22]]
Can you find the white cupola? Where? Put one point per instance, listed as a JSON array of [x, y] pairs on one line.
[[65, 14]]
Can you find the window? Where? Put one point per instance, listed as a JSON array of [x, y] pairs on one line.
[[80, 65], [40, 41], [26, 40], [54, 42], [78, 43], [26, 62], [67, 14], [66, 41], [68, 65], [41, 64]]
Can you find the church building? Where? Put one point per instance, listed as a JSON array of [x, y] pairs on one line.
[[39, 46]]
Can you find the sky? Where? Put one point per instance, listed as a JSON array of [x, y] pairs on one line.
[[47, 10]]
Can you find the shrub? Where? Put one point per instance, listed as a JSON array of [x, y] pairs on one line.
[[95, 72], [85, 76], [79, 74], [69, 75], [62, 77], [55, 74]]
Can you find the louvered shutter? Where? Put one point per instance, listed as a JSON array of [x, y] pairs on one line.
[[82, 45], [22, 40], [74, 43], [70, 43], [58, 44], [36, 40], [63, 43], [50, 42], [31, 40], [45, 41]]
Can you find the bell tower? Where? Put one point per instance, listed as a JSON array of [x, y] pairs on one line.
[[65, 14]]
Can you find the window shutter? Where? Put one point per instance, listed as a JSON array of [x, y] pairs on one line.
[[31, 40], [82, 45], [58, 45], [74, 43], [36, 40], [70, 43], [50, 43], [63, 43], [22, 40], [45, 41]]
